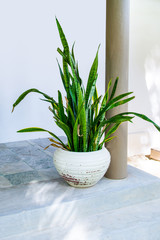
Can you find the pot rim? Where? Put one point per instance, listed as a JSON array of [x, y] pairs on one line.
[[81, 153]]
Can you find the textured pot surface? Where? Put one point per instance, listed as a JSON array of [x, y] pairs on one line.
[[81, 169]]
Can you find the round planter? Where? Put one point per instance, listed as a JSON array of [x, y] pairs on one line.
[[81, 169]]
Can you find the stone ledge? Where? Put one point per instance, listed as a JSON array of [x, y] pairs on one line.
[[47, 205], [140, 221]]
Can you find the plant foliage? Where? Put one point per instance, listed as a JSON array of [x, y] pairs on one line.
[[82, 116]]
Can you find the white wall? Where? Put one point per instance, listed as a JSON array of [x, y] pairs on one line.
[[144, 78], [28, 43]]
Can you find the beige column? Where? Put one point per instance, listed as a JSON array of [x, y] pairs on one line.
[[117, 57]]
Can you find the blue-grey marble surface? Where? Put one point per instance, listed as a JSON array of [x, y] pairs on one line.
[[26, 161]]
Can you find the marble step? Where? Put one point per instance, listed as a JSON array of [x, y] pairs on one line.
[[48, 206], [139, 221]]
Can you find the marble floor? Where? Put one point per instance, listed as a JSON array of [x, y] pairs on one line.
[[36, 203], [26, 162]]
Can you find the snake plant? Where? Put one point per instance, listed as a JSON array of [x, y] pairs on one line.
[[82, 113]]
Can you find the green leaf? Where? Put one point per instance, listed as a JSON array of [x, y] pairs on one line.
[[82, 118], [35, 129], [105, 98], [63, 39], [107, 140], [92, 77], [144, 117], [116, 99], [62, 115], [63, 55], [95, 103], [24, 94], [119, 118], [67, 131], [62, 75], [75, 135], [75, 130], [52, 102], [114, 88], [71, 117], [92, 91], [115, 104], [66, 75], [73, 51], [72, 92], [75, 82], [95, 97], [110, 132], [77, 73], [111, 104]]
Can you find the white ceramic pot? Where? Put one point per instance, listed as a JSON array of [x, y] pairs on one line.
[[81, 169]]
